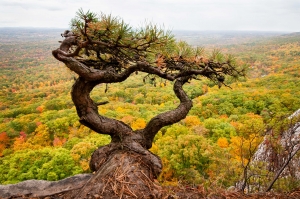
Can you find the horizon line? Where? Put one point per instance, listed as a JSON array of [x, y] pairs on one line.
[[208, 30]]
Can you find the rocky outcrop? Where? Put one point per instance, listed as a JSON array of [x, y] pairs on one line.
[[275, 158], [43, 188], [287, 144]]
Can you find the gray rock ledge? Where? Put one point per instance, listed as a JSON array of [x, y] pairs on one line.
[[42, 188]]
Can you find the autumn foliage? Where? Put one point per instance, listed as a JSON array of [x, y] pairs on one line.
[[40, 129]]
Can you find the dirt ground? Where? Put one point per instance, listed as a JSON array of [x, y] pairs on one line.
[[195, 193]]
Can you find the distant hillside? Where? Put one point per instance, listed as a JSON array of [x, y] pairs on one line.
[[9, 35], [220, 38], [265, 52], [292, 37]]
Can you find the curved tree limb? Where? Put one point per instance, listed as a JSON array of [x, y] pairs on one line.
[[87, 110], [169, 117], [108, 75]]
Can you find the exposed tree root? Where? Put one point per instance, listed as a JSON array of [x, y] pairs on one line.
[[121, 174]]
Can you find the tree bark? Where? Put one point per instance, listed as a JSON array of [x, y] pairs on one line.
[[125, 168]]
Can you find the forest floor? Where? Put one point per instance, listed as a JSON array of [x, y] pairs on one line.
[[197, 193], [200, 193]]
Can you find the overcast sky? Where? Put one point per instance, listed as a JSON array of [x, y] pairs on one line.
[[260, 15]]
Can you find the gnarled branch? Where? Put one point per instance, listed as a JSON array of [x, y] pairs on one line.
[[87, 110], [169, 117]]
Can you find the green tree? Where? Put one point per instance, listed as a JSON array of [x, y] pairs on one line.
[[188, 155], [47, 164]]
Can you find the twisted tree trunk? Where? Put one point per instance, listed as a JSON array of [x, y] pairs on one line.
[[125, 168]]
